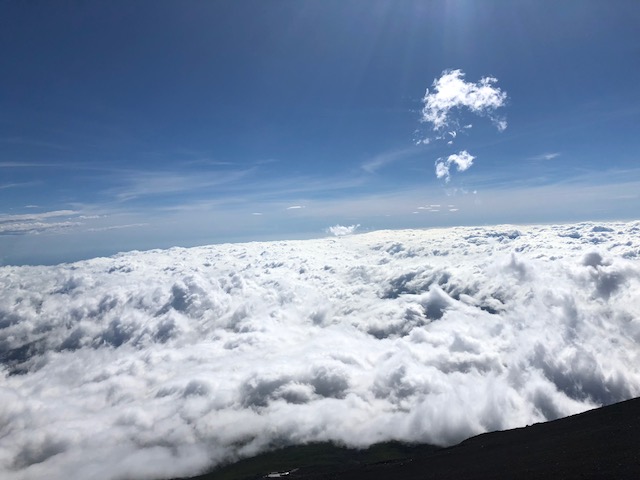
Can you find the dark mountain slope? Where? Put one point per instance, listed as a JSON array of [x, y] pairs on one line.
[[599, 444]]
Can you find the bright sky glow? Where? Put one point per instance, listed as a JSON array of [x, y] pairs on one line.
[[136, 125]]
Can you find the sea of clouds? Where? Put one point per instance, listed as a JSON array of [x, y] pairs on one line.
[[155, 364]]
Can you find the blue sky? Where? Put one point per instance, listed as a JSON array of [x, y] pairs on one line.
[[144, 124]]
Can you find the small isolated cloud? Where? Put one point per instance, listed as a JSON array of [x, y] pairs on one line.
[[341, 231], [295, 207], [429, 208], [462, 161], [451, 92], [257, 214]]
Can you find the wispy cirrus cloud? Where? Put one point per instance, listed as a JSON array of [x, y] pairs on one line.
[[6, 186], [383, 159], [137, 184], [36, 223], [26, 217], [57, 165], [117, 227], [33, 143], [29, 165], [34, 228], [545, 156]]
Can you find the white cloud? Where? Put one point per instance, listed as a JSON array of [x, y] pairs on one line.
[[25, 165], [36, 223], [17, 185], [442, 170], [451, 92], [5, 218], [499, 199], [545, 156], [380, 161], [340, 230], [117, 227], [462, 161], [137, 184], [119, 367], [34, 228], [295, 207]]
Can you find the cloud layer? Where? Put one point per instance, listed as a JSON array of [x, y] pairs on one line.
[[162, 363]]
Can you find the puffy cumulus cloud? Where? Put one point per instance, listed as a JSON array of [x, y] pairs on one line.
[[462, 161], [451, 92], [341, 230], [160, 364]]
